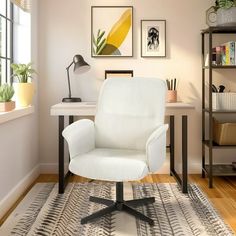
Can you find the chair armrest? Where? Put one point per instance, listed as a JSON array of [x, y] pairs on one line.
[[156, 148], [80, 137]]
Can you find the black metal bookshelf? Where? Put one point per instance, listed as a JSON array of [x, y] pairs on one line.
[[210, 169]]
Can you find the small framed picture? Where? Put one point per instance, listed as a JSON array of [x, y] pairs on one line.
[[118, 74], [153, 38], [112, 31]]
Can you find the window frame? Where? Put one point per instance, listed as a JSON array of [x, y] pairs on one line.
[[8, 58]]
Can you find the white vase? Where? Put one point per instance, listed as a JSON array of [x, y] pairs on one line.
[[226, 17]]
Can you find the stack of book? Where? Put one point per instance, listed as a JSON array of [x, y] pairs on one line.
[[223, 55]]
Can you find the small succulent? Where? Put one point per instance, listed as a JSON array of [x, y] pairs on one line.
[[226, 4], [22, 72], [6, 93]]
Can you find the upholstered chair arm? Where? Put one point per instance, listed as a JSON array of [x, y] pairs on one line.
[[156, 148], [80, 137]]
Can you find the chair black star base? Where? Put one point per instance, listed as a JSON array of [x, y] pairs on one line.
[[120, 205]]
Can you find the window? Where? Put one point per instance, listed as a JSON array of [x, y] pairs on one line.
[[6, 40], [22, 35]]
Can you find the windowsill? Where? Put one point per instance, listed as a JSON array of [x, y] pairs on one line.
[[16, 113]]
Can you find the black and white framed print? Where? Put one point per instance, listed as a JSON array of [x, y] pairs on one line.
[[153, 38]]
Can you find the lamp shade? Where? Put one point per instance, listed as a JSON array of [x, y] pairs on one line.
[[80, 65]]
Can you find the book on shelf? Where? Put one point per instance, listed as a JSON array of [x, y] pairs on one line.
[[224, 55], [228, 50], [218, 56], [232, 53]]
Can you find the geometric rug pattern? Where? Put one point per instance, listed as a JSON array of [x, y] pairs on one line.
[[45, 212]]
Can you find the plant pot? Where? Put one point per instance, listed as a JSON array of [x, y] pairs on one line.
[[226, 17], [7, 106], [171, 96], [24, 93]]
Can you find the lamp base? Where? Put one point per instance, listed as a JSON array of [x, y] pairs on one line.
[[71, 100]]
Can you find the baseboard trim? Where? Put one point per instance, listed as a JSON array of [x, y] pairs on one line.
[[49, 168], [8, 201]]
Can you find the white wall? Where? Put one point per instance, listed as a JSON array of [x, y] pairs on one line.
[[65, 28], [19, 145]]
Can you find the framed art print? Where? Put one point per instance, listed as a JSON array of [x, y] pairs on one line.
[[118, 74], [112, 31], [153, 38]]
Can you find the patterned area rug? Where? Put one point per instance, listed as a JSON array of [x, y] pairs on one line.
[[44, 212]]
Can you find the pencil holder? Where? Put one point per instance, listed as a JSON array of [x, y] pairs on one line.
[[171, 95]]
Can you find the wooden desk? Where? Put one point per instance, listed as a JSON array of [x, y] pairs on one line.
[[89, 109]]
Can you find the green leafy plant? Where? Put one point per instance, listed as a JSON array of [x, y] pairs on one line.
[[6, 93], [226, 4], [23, 72]]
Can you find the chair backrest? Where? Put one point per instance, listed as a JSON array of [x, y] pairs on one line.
[[128, 111]]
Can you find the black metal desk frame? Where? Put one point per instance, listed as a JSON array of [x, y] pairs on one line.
[[183, 183]]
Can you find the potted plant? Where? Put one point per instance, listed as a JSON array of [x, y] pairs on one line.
[[225, 12], [6, 94], [24, 88]]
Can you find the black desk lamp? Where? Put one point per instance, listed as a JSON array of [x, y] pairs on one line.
[[80, 66]]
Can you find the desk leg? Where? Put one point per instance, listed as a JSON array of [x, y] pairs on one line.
[[183, 182], [71, 119], [185, 154], [172, 144], [61, 155]]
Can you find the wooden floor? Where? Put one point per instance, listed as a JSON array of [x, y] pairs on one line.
[[223, 195]]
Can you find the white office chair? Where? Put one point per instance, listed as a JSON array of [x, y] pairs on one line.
[[127, 140]]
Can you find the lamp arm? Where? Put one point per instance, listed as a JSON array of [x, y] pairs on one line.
[[68, 77]]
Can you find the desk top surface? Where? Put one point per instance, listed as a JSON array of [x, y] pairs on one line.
[[89, 108]]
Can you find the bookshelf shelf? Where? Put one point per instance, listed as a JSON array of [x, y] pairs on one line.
[[220, 67], [220, 170], [216, 146], [220, 111], [220, 30]]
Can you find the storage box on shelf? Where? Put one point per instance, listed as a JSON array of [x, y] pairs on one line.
[[224, 133], [223, 101]]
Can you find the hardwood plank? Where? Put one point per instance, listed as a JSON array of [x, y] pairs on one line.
[[222, 196], [227, 211]]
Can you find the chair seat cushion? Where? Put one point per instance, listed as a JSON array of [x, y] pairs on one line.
[[110, 164]]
